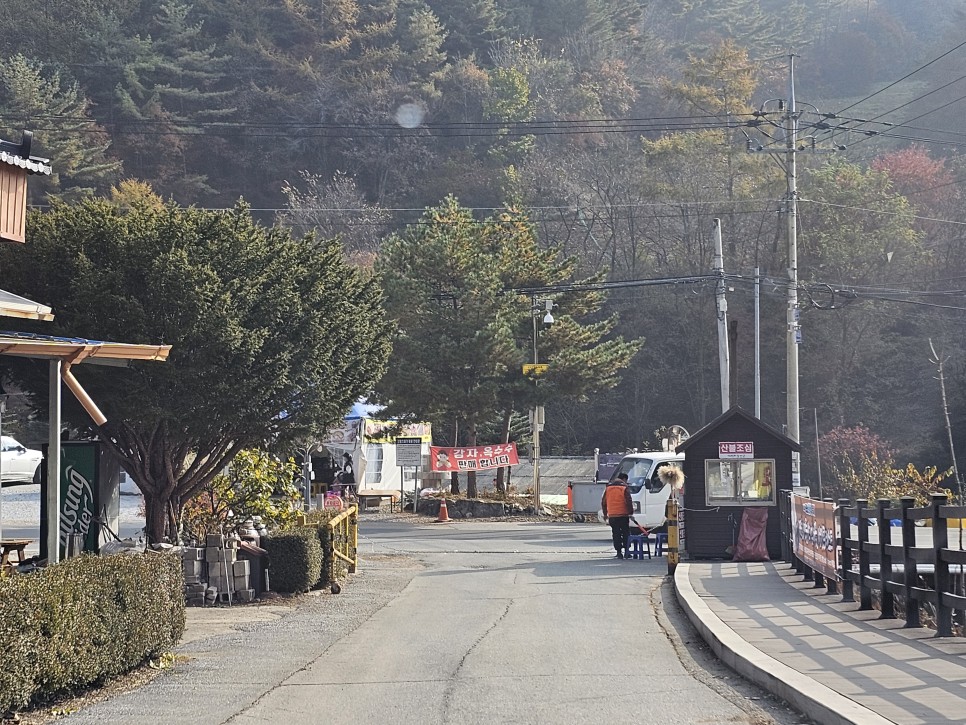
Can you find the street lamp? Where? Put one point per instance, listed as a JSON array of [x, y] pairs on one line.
[[537, 307]]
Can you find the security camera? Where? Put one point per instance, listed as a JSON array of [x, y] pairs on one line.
[[548, 320]]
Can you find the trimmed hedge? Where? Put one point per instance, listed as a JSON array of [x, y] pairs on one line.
[[333, 568], [295, 559], [79, 622]]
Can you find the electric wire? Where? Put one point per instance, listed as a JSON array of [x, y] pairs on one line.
[[908, 75], [881, 211]]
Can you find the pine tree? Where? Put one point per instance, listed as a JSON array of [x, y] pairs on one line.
[[31, 93], [463, 336]]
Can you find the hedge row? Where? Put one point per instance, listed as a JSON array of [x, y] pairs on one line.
[[79, 622], [295, 559], [301, 558]]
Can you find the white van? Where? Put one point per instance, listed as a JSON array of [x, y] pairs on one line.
[[648, 493]]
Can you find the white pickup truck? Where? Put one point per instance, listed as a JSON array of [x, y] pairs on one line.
[[648, 493]]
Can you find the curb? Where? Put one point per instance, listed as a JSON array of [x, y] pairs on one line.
[[811, 697]]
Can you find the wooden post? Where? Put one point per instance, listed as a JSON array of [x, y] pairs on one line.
[[909, 574], [831, 582], [940, 542], [865, 593], [887, 598], [845, 562]]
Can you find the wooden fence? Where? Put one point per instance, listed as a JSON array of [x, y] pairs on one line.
[[920, 573]]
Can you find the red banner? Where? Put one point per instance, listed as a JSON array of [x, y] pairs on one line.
[[479, 458]]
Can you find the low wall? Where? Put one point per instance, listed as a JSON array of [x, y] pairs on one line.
[[468, 508]]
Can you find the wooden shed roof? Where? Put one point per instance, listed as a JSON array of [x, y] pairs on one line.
[[18, 154], [736, 412]]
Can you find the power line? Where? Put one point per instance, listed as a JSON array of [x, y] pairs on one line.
[[882, 211], [908, 75]]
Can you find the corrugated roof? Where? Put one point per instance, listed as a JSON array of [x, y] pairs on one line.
[[75, 349], [12, 305]]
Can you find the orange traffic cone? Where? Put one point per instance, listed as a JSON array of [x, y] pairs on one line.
[[443, 511]]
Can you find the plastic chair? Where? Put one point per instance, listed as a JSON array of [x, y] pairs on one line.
[[659, 541], [638, 546]]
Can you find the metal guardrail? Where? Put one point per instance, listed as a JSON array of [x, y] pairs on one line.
[[344, 538]]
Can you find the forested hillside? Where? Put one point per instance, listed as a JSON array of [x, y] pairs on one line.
[[621, 128]]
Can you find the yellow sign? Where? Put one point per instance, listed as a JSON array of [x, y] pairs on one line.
[[535, 369]]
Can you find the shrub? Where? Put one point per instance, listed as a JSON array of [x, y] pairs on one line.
[[77, 623], [257, 484], [333, 568], [295, 559]]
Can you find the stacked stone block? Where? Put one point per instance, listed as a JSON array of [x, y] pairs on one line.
[[213, 573]]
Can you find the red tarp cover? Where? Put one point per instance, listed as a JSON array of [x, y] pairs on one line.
[[752, 545]]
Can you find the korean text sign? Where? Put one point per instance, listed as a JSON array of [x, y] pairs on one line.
[[478, 458]]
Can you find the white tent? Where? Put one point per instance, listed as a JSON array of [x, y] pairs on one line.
[[371, 444]]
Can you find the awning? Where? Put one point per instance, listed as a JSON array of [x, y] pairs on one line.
[[77, 349], [12, 305]]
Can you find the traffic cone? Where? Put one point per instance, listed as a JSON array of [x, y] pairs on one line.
[[443, 511]]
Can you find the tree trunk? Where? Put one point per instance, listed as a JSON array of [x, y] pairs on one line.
[[471, 475], [500, 481], [454, 479], [156, 514]]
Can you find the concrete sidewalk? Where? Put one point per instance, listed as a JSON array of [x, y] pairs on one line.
[[825, 657]]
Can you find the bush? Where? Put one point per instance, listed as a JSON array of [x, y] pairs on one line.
[[257, 484], [77, 623], [333, 568], [295, 559]]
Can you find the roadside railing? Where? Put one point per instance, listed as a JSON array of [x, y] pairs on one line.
[[344, 538], [920, 573], [921, 567]]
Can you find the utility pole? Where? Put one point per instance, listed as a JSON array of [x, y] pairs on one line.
[[536, 422], [536, 415], [794, 332], [758, 342], [818, 454], [721, 304]]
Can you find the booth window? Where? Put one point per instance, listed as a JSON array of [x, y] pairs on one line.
[[374, 463], [740, 482]]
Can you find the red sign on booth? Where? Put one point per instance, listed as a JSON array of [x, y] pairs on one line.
[[736, 449]]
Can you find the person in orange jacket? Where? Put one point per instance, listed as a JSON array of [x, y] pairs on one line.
[[617, 507]]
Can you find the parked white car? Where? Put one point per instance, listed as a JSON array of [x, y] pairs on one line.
[[649, 495], [18, 464]]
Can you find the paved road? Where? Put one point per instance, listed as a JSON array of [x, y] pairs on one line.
[[469, 622]]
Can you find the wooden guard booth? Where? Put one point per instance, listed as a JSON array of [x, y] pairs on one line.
[[15, 164], [734, 462]]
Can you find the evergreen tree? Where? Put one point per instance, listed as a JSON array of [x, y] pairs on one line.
[[32, 94], [461, 339], [272, 337], [174, 82]]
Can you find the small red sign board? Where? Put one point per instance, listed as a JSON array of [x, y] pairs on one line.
[[736, 449]]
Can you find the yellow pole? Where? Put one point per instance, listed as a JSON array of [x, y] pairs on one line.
[[354, 537], [672, 534]]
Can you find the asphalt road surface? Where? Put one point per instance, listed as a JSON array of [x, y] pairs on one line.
[[462, 622]]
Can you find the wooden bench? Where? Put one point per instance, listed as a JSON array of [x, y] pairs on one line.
[[13, 546], [367, 495]]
